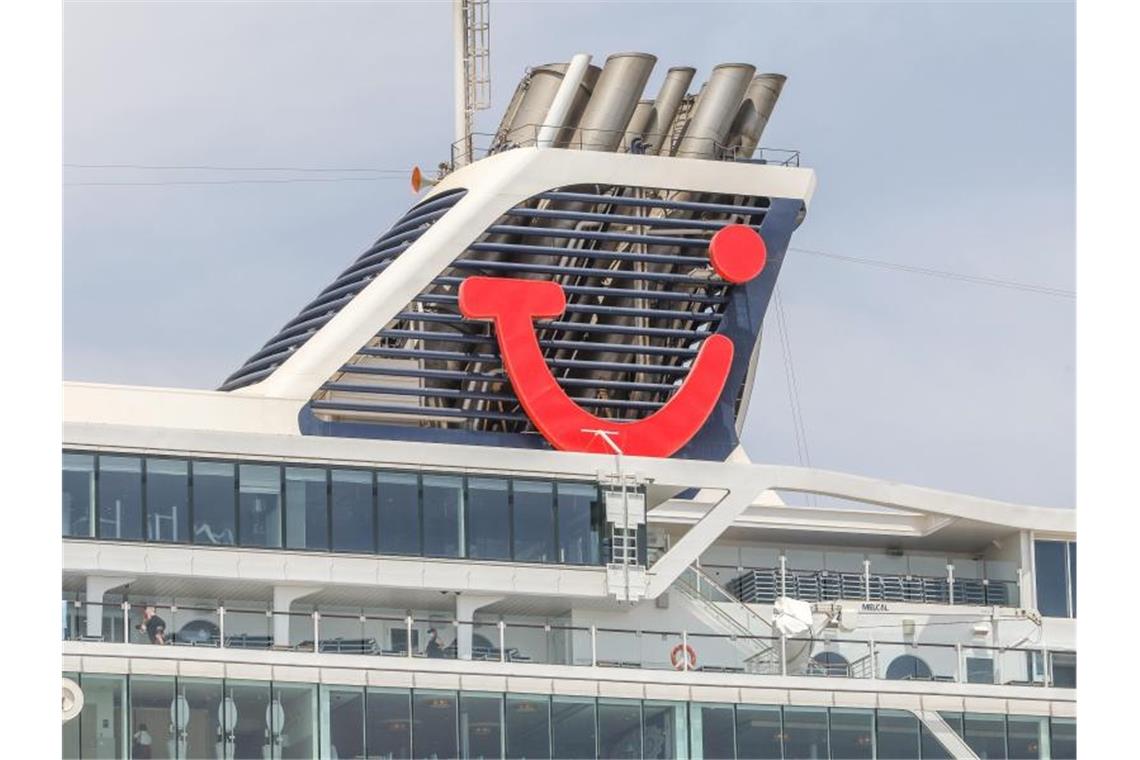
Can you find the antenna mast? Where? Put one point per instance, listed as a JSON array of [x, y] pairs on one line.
[[471, 31]]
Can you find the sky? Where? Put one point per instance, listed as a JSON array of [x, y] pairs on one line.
[[942, 135]]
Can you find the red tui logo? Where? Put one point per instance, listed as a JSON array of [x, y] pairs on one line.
[[737, 253]]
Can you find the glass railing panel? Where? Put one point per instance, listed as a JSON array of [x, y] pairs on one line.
[[341, 632], [248, 629], [902, 661], [662, 650], [384, 635], [149, 623], [618, 648], [293, 630], [438, 639], [1021, 667], [530, 642], [717, 653], [193, 625]]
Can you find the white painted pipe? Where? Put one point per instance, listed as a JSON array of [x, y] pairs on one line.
[[555, 117]]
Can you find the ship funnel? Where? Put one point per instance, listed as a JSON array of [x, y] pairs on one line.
[[532, 100], [755, 112], [715, 110], [673, 89], [638, 123], [619, 86]]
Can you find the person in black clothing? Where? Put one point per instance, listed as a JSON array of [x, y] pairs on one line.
[[433, 648], [153, 626]]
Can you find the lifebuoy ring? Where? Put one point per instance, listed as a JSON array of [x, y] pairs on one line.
[[683, 657]]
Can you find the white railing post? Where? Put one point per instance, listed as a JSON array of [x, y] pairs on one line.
[[221, 625], [1047, 666], [684, 649], [127, 622], [594, 646], [408, 631], [502, 641], [874, 658], [950, 580], [783, 654], [783, 575], [866, 580], [316, 632], [960, 670]]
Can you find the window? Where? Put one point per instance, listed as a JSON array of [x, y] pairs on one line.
[[388, 724], [805, 732], [1073, 578], [932, 749], [1026, 735], [663, 730], [120, 497], [306, 508], [1064, 666], [896, 735], [829, 664], [167, 500], [435, 718], [619, 728], [480, 726], [574, 728], [851, 734], [398, 502], [1063, 735], [979, 670], [907, 667], [528, 727], [985, 734], [213, 490], [103, 722], [343, 715], [78, 495], [713, 731], [294, 721], [533, 521], [579, 524], [352, 526], [442, 515], [248, 703], [488, 519], [758, 732], [1052, 569], [259, 505], [151, 699], [199, 700]]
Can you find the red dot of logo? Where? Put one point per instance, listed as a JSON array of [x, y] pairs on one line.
[[738, 253]]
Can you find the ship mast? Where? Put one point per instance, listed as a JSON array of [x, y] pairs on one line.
[[471, 32]]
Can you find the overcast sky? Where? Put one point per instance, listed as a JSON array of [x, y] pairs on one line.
[[942, 135]]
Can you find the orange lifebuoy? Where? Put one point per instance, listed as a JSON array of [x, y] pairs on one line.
[[683, 657]]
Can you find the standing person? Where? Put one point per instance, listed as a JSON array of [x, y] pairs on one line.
[[433, 648], [153, 626], [142, 742]]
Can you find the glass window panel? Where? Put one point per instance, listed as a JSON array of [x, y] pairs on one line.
[[619, 728], [398, 500], [896, 735], [434, 732], [1052, 583], [213, 491], [1063, 735], [167, 500], [103, 722], [533, 521], [851, 734], [579, 524], [573, 728], [1064, 665], [664, 730], [442, 515], [932, 749], [713, 731], [528, 727], [979, 670], [306, 508], [488, 515], [198, 716], [1028, 736], [805, 733], [259, 505], [352, 528], [388, 724], [151, 700], [70, 745], [343, 716], [120, 497], [294, 719], [1073, 578], [986, 735], [480, 725], [244, 712], [758, 732], [78, 495]]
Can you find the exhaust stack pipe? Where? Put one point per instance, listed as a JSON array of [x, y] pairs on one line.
[[755, 112], [715, 110], [613, 101], [533, 98], [665, 107]]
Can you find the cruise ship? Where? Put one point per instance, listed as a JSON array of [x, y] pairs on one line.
[[484, 496]]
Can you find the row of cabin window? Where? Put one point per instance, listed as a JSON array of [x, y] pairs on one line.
[[345, 510]]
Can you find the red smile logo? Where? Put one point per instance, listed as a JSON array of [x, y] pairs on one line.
[[737, 254]]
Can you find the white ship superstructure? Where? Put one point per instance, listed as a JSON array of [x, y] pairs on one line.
[[485, 497]]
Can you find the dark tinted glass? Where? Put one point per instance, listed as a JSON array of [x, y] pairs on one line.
[[78, 495], [488, 518], [352, 528], [167, 500], [1073, 576], [932, 749], [758, 732], [202, 698], [528, 727], [1063, 733], [214, 502], [896, 735], [346, 722], [388, 724], [713, 731], [259, 505], [435, 718], [619, 728], [805, 732], [1052, 583], [442, 515], [534, 521], [480, 726], [574, 728], [250, 698], [120, 497], [579, 524], [986, 735], [663, 734], [1026, 736], [907, 667], [979, 670], [851, 734], [398, 500], [306, 508]]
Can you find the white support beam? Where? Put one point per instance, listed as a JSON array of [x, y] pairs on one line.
[[283, 598], [97, 588], [465, 607]]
